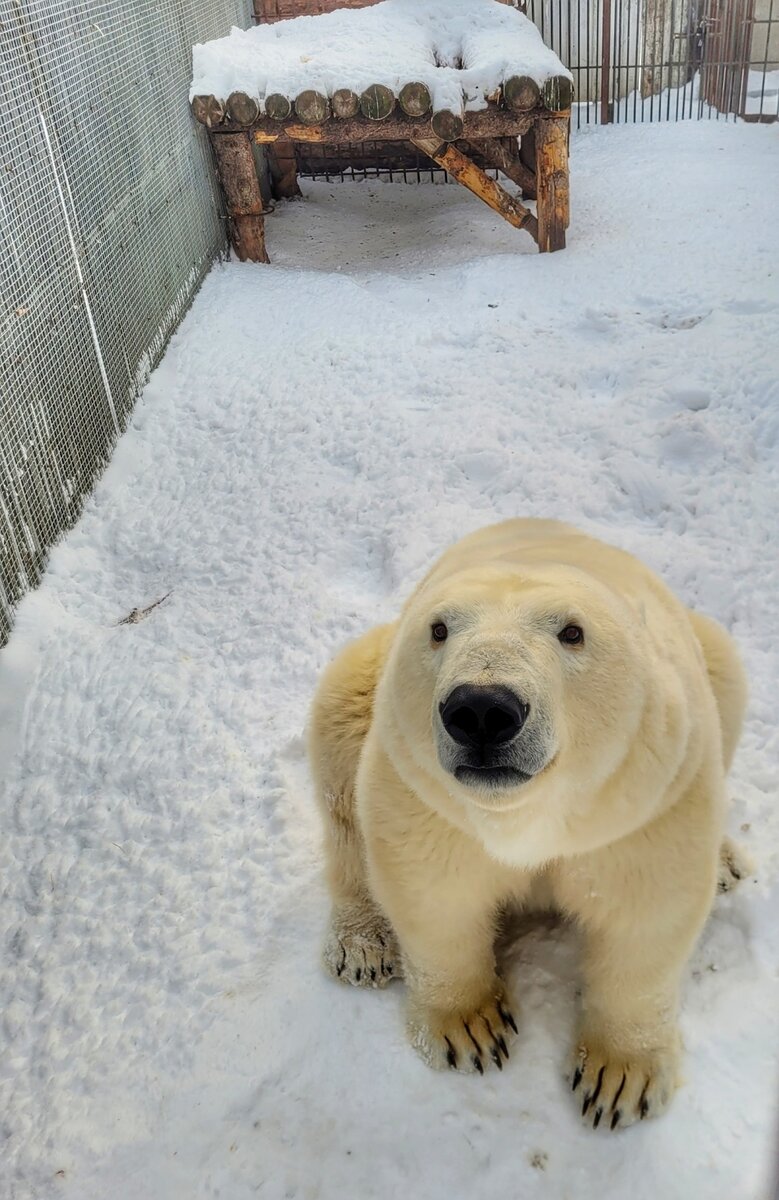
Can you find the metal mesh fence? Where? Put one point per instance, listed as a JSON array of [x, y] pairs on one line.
[[108, 222], [666, 60]]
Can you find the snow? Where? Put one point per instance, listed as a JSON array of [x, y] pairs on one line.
[[763, 93], [462, 49], [407, 370]]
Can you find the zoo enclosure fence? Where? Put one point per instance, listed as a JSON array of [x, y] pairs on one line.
[[109, 215]]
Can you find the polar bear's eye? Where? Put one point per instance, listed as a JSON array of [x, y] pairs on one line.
[[572, 635], [439, 632]]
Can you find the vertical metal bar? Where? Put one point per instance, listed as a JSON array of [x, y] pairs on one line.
[[605, 108], [688, 43], [570, 56], [746, 55], [732, 55], [618, 44], [642, 67], [768, 32], [589, 53], [627, 61], [671, 43], [639, 25], [654, 62], [727, 55]]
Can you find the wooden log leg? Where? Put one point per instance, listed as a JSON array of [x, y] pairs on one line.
[[243, 198], [527, 150], [503, 153], [284, 170], [460, 167], [552, 181]]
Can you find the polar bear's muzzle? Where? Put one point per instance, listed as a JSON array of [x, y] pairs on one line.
[[481, 740]]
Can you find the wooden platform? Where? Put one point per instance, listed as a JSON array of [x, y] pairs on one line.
[[540, 117]]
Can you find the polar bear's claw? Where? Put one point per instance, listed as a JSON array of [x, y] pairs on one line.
[[361, 949], [621, 1089], [464, 1041]]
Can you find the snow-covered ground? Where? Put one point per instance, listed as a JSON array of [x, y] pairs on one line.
[[408, 369]]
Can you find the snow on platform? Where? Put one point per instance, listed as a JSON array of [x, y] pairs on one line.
[[406, 371], [462, 50]]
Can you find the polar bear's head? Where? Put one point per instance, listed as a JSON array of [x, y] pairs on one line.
[[501, 677]]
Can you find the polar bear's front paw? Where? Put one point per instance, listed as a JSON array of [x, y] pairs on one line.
[[361, 949], [617, 1089], [465, 1041]]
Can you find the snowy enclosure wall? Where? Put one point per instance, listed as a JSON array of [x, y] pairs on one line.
[[108, 221]]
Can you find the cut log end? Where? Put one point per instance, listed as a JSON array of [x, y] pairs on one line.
[[520, 93], [242, 109], [415, 99], [377, 102], [345, 104], [447, 125], [557, 93], [277, 107], [312, 108], [208, 110]]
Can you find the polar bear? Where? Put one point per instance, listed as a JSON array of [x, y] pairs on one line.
[[545, 724]]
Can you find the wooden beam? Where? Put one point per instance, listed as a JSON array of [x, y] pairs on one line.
[[208, 110], [283, 170], [557, 93], [242, 109], [520, 93], [487, 123], [527, 151], [447, 125], [312, 108], [377, 102], [552, 181], [503, 153], [345, 103], [243, 199], [277, 106], [460, 167], [415, 99]]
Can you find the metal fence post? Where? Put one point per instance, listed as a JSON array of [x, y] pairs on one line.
[[605, 93]]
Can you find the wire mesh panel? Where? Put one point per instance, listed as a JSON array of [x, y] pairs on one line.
[[108, 221]]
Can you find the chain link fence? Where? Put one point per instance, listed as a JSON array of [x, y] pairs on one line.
[[108, 221]]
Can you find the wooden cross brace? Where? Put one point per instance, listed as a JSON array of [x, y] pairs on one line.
[[465, 171]]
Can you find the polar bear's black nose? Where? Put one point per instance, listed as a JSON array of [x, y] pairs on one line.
[[482, 717]]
